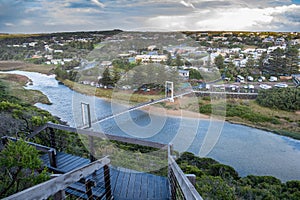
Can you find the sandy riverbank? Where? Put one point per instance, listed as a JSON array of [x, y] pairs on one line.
[[175, 113]]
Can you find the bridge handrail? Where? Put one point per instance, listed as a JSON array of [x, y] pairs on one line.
[[178, 179], [60, 183]]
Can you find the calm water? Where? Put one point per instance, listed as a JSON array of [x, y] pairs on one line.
[[248, 150]]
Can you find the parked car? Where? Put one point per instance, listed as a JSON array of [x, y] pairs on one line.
[[281, 85], [240, 79], [251, 87], [273, 79], [265, 86], [261, 79], [250, 78], [233, 87]]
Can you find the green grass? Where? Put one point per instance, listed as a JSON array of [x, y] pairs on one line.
[[119, 95], [248, 112]]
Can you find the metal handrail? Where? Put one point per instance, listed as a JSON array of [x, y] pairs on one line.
[[179, 184]]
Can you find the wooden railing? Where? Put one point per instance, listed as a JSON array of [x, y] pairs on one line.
[[50, 151], [180, 186], [51, 125], [56, 186]]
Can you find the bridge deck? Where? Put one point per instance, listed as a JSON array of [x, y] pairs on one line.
[[125, 183]]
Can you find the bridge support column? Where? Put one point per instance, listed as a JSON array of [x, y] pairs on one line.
[[169, 90]]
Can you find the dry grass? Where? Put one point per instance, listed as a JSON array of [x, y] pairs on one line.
[[5, 36], [289, 122], [15, 84], [21, 65]]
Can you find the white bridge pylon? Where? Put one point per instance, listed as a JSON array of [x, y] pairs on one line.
[[169, 90]]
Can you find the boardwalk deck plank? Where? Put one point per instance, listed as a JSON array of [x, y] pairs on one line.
[[151, 187], [144, 186], [137, 185], [119, 183], [131, 185], [125, 183]]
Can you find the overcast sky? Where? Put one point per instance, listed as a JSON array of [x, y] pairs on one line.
[[36, 16]]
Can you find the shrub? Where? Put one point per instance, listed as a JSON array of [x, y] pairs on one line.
[[20, 167], [280, 98]]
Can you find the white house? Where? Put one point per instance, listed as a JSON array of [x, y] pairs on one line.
[[150, 58], [184, 73]]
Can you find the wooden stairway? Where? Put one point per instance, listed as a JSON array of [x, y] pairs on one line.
[[126, 184]]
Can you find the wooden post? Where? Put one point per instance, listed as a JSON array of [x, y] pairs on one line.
[[52, 138], [52, 158], [88, 187], [61, 195], [107, 182], [192, 178]]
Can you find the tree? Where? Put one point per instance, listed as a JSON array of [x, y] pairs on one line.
[[261, 61], [73, 75], [178, 60], [20, 168], [277, 65], [292, 61], [106, 79], [219, 61], [250, 64], [169, 59], [116, 75], [139, 77], [195, 74]]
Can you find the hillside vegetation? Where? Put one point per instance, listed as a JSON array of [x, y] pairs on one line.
[[218, 181]]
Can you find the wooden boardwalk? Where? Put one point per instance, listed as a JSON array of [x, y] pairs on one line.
[[65, 162], [126, 184]]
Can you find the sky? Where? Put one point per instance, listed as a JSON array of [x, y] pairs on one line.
[[44, 16]]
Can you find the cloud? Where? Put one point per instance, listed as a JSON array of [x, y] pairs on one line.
[[8, 24], [98, 3], [251, 19], [148, 15], [187, 3]]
